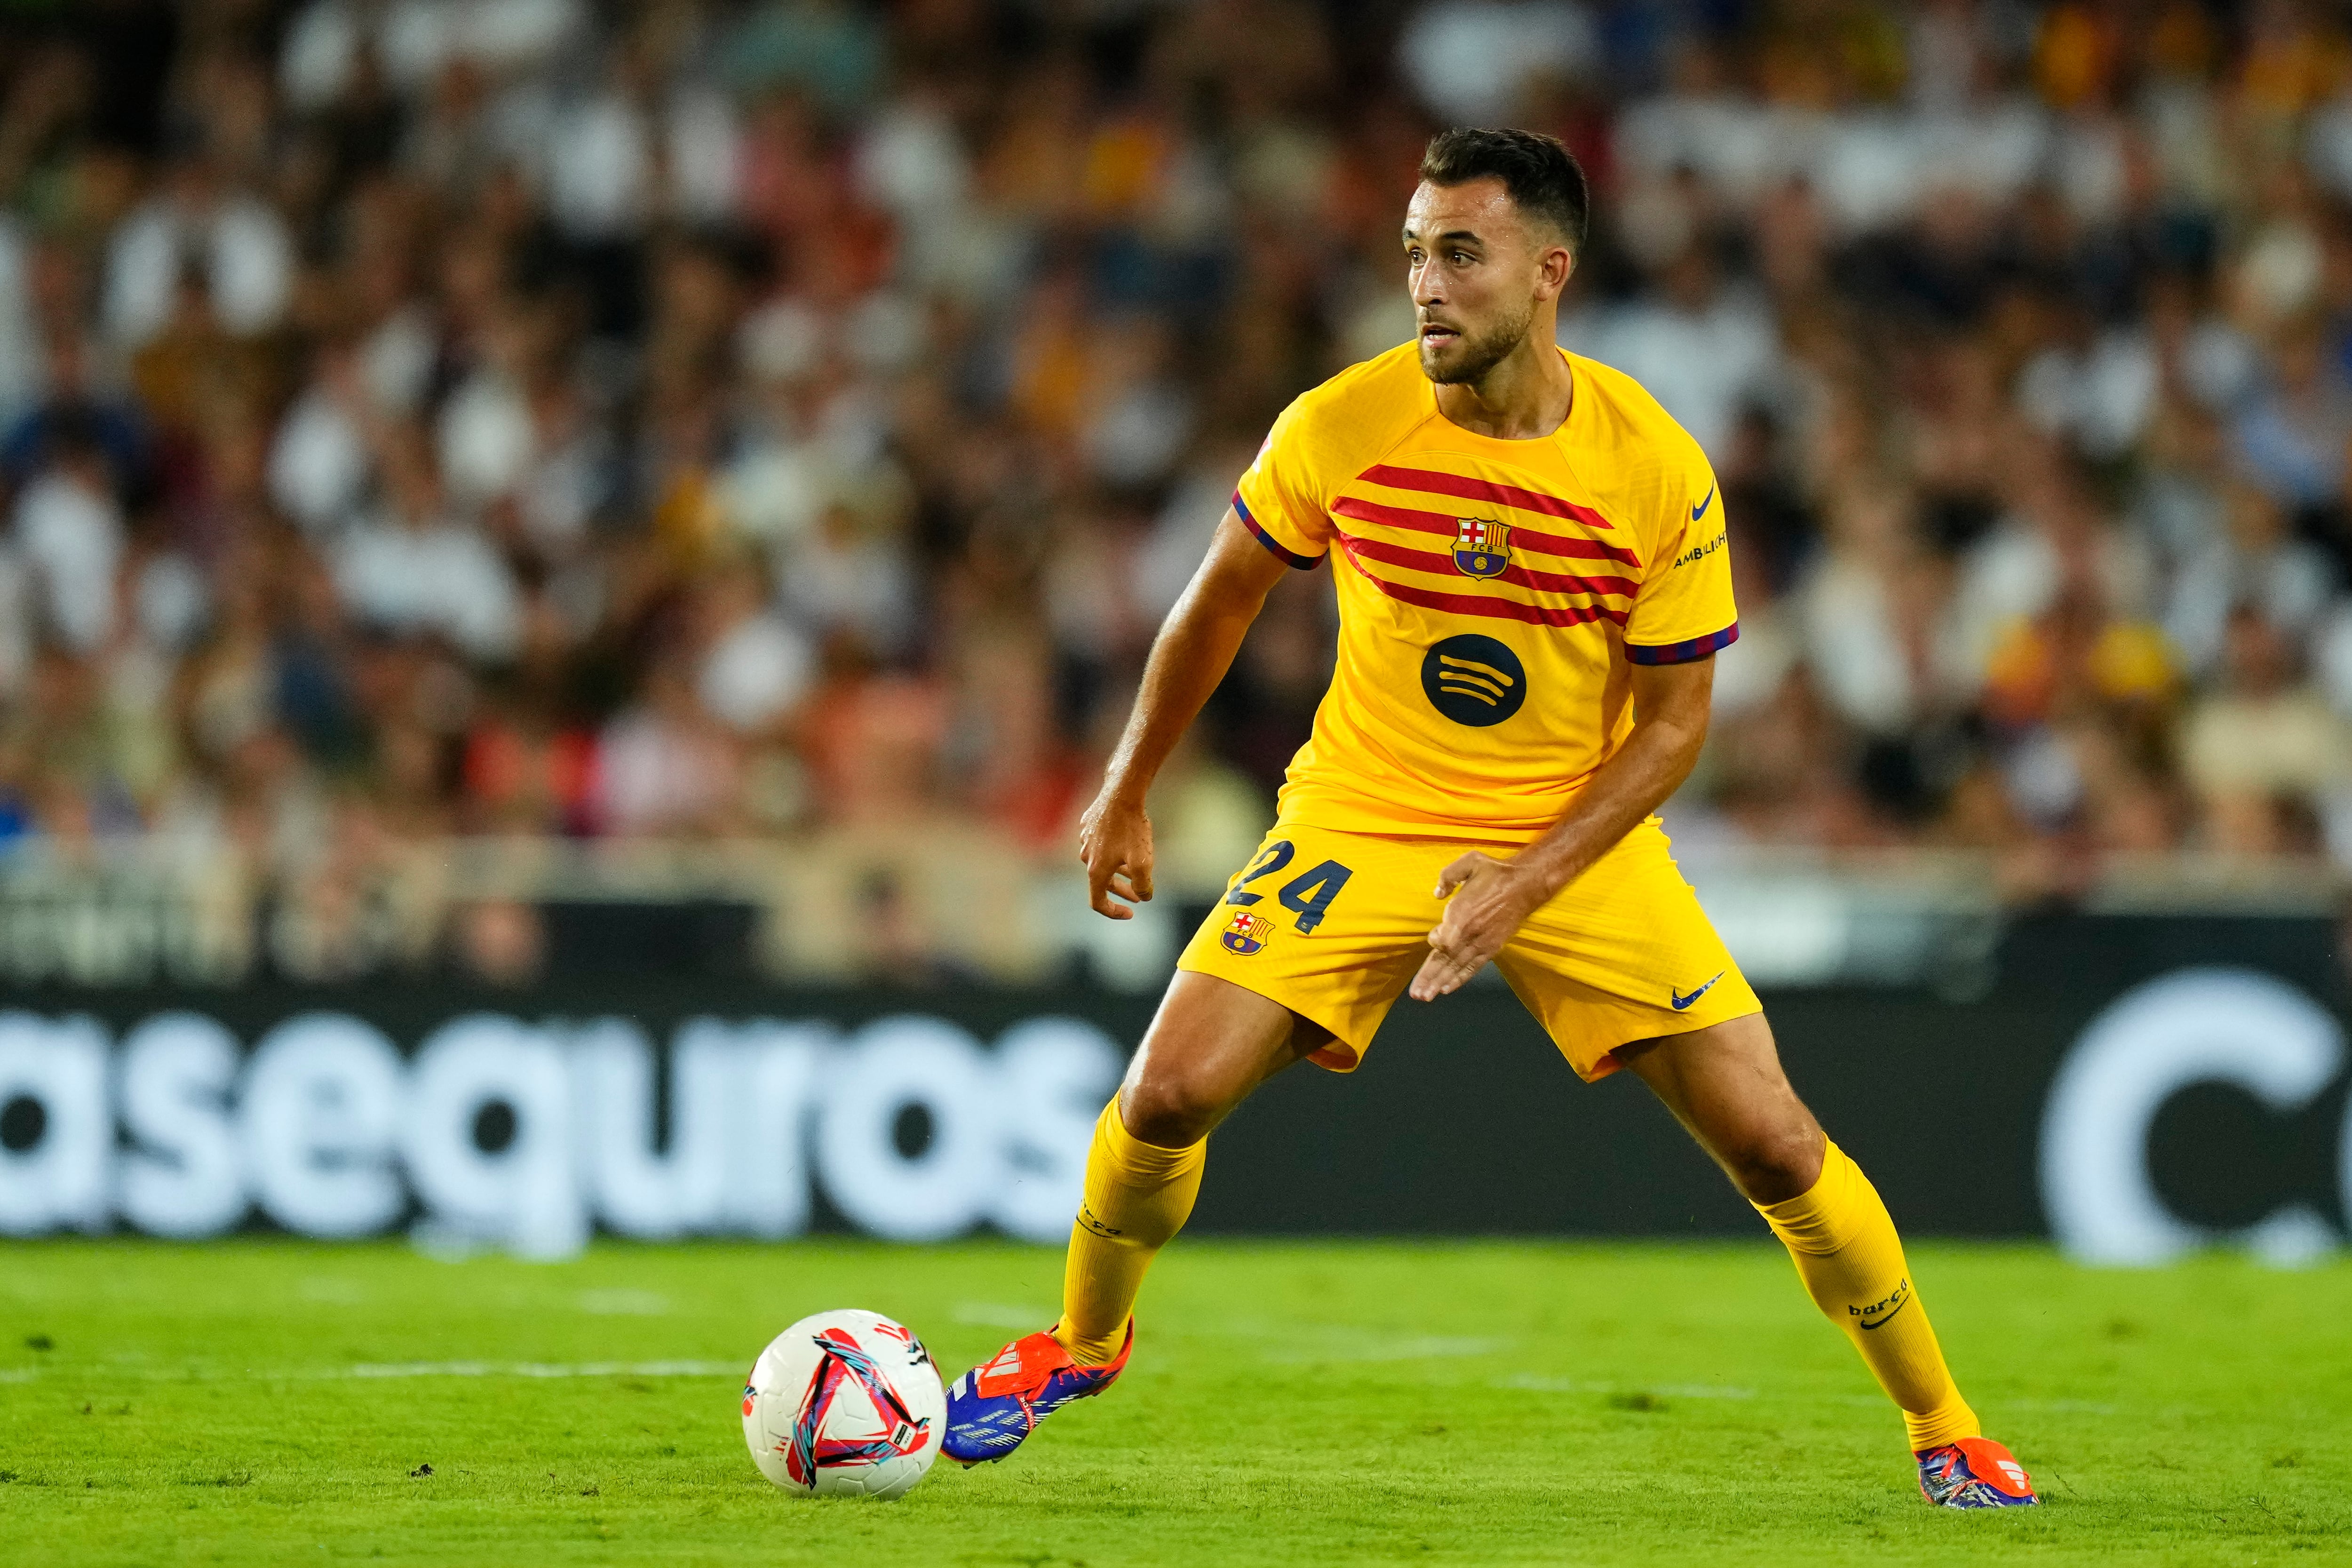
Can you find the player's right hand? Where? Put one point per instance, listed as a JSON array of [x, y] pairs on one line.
[[1114, 842]]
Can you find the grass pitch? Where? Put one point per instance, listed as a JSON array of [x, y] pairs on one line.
[[274, 1401]]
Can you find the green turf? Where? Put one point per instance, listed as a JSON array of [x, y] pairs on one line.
[[1288, 1404]]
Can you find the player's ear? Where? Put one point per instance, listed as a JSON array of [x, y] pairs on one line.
[[1553, 270]]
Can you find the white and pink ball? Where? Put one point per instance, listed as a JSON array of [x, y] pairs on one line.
[[844, 1403]]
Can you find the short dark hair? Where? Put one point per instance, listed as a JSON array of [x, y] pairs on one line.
[[1543, 177]]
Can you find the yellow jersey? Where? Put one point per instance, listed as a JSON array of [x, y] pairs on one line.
[[1492, 593]]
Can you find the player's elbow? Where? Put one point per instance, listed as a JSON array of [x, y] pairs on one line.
[[1680, 737], [1214, 611], [1694, 741]]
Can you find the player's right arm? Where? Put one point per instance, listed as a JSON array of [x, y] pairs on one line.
[[1190, 655]]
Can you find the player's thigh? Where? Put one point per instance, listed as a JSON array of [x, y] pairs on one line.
[[1624, 953], [1330, 925], [1210, 1045]]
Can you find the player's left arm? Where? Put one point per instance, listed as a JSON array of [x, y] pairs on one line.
[[1487, 898]]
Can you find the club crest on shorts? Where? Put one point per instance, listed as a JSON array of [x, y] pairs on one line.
[[1246, 933], [1482, 547]]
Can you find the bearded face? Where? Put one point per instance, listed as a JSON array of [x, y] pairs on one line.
[[1455, 353], [1480, 277]]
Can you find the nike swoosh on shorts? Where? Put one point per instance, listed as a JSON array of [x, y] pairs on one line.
[[1682, 1003]]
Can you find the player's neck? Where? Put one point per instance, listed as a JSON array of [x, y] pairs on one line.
[[1524, 397]]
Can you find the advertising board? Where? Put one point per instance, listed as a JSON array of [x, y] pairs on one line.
[[2134, 1088]]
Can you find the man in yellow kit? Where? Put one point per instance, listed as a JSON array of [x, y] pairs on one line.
[[1533, 582]]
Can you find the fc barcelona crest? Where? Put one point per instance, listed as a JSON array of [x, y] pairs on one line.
[[1246, 933], [1482, 547]]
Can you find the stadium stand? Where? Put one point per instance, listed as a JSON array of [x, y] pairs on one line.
[[743, 451]]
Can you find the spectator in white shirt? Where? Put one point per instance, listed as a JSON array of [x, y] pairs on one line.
[[1702, 351], [67, 530], [237, 244], [412, 571]]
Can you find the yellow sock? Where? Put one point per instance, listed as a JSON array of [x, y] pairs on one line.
[[1137, 1196], [1850, 1259]]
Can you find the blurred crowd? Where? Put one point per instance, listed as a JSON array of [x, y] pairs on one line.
[[715, 420]]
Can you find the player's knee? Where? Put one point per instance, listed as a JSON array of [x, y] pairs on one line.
[[1172, 1109], [1773, 1162]]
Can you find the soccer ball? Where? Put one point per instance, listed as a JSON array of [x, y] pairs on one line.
[[844, 1403]]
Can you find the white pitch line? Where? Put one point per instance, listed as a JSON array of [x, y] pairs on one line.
[[410, 1369], [1428, 1347], [539, 1369], [1407, 1350], [997, 1315]]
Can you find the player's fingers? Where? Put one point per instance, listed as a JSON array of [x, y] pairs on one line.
[[1457, 873], [1467, 938], [1441, 974], [1449, 946], [1138, 877], [1424, 982], [1100, 870]]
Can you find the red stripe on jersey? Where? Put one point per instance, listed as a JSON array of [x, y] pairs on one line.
[[1474, 604], [1500, 609], [1525, 576], [1481, 489], [1562, 544]]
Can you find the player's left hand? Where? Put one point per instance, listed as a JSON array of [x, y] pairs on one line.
[[1487, 899]]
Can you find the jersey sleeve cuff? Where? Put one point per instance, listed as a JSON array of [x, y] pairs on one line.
[[1682, 652], [1282, 551]]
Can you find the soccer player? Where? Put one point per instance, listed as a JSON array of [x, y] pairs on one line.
[[1533, 584]]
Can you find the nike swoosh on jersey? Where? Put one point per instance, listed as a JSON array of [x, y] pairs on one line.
[[1682, 1003], [1700, 511]]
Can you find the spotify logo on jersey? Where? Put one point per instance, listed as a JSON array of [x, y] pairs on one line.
[[1473, 680]]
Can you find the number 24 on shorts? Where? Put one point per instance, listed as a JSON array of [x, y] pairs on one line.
[[1308, 895]]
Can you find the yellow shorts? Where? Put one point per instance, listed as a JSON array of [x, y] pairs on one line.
[[1333, 926]]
